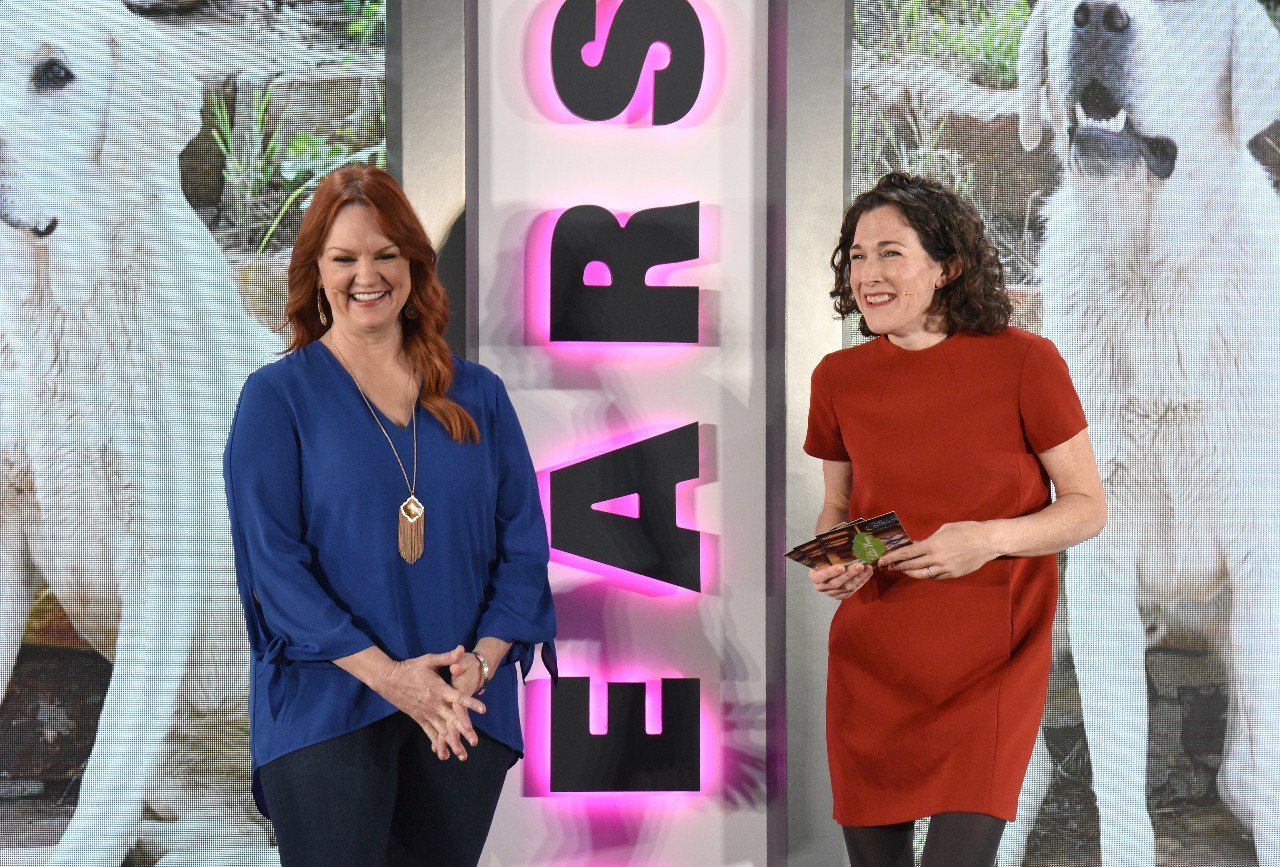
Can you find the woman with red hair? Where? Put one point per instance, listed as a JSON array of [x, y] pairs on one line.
[[391, 553]]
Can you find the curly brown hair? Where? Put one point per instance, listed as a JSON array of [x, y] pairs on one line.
[[947, 226], [424, 343]]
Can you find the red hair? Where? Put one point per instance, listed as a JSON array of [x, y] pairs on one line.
[[424, 344]]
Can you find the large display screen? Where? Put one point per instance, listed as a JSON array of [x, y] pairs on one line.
[[155, 159], [1124, 156]]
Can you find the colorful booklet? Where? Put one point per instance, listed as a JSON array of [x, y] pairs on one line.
[[865, 539]]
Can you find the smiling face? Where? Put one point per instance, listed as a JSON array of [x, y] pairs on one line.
[[894, 279], [364, 274]]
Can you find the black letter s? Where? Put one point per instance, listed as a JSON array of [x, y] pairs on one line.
[[604, 91]]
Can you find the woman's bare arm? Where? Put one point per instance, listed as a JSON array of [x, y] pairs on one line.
[[1079, 513], [838, 582]]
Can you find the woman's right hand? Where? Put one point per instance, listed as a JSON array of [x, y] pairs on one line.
[[416, 687], [841, 581]]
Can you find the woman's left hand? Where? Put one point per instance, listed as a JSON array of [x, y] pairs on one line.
[[466, 675], [956, 549]]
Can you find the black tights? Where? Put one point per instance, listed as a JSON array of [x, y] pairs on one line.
[[954, 840]]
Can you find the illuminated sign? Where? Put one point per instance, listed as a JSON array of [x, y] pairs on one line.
[[593, 277]]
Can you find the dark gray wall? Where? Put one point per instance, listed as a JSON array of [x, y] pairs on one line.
[[815, 122], [427, 134]]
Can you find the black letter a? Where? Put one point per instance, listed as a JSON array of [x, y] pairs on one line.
[[651, 544]]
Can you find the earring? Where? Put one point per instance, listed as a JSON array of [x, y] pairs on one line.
[[410, 312], [324, 320]]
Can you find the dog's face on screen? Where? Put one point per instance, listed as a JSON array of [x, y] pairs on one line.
[[89, 104], [1136, 89]]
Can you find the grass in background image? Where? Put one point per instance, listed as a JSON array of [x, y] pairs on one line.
[[976, 40]]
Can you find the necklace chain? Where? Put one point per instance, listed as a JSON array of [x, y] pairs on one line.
[[411, 485]]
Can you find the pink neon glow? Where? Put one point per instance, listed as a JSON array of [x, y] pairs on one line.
[[537, 293], [659, 57], [685, 504], [598, 706], [597, 273], [628, 506], [653, 709], [639, 112], [685, 515], [537, 731]]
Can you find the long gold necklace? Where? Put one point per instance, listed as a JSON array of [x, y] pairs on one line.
[[411, 510]]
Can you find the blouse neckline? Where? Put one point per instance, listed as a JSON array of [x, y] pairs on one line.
[[901, 350], [342, 368]]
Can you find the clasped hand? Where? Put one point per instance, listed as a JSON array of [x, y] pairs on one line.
[[442, 709], [842, 580], [954, 550]]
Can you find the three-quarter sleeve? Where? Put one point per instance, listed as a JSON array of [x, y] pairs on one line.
[[823, 439], [519, 607], [1047, 399], [289, 614]]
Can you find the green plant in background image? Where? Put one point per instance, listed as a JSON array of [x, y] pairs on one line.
[[307, 160], [889, 27], [249, 159], [985, 39], [919, 151], [267, 183], [368, 20], [878, 145], [976, 39]]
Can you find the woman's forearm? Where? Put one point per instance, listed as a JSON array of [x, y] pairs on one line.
[[837, 482], [1071, 519], [494, 650], [831, 515], [369, 666]]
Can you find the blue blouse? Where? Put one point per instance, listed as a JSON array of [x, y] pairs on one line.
[[314, 491]]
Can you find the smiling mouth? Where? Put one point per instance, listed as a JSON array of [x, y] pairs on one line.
[[875, 299], [1101, 130], [368, 296]]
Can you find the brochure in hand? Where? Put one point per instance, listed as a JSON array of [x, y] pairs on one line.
[[865, 539]]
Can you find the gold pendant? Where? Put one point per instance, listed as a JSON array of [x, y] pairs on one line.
[[411, 512]]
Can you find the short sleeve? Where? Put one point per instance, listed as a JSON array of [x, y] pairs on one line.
[[823, 439], [1047, 399]]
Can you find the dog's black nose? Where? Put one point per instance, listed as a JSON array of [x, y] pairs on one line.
[[1108, 15]]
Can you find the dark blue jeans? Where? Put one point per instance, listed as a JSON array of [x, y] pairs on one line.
[[378, 797]]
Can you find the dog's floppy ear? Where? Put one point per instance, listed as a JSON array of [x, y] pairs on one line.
[[155, 103], [1031, 77], [1255, 70]]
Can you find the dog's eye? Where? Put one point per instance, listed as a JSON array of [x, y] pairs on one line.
[[51, 75]]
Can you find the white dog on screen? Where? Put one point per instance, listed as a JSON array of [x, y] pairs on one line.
[[1161, 278], [123, 344]]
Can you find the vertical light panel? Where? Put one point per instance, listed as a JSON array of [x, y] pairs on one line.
[[620, 234]]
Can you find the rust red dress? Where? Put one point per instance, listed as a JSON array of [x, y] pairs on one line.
[[935, 689]]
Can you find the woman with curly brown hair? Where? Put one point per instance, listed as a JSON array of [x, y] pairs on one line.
[[939, 653], [391, 553]]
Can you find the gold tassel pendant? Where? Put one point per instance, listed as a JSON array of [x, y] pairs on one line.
[[411, 531]]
